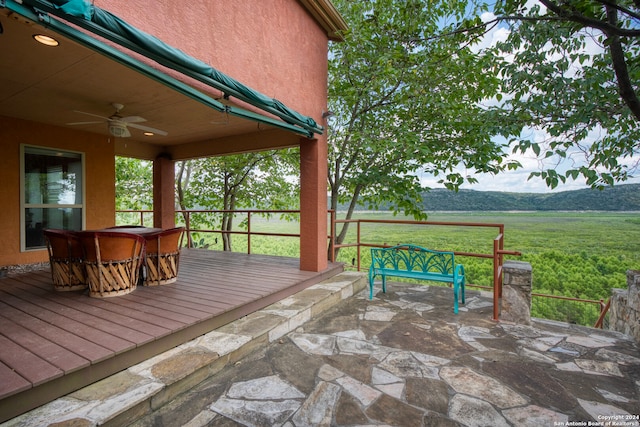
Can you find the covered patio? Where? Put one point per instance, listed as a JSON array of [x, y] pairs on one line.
[[112, 82], [53, 343], [133, 79]]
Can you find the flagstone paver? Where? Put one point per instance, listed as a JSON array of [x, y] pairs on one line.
[[401, 359]]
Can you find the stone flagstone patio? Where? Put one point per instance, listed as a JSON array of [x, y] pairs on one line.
[[402, 359]]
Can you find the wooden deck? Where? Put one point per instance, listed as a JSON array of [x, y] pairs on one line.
[[52, 343]]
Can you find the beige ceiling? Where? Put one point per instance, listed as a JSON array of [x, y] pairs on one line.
[[50, 84]]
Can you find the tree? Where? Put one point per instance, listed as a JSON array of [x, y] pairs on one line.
[[134, 179], [407, 102], [570, 73], [262, 180]]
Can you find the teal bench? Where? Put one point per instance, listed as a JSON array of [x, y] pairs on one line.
[[415, 262]]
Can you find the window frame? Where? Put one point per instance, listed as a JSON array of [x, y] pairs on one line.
[[24, 149]]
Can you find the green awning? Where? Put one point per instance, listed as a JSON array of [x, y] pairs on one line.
[[104, 24]]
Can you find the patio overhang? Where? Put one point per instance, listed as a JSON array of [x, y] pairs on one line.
[[203, 111]]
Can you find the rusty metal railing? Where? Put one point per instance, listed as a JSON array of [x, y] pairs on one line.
[[186, 216], [497, 255]]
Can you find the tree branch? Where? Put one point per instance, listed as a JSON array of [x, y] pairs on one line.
[[627, 93], [606, 27]]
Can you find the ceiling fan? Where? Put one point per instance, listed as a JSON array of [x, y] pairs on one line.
[[119, 126]]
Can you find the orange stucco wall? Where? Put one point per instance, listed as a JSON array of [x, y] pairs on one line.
[[99, 180], [274, 46]]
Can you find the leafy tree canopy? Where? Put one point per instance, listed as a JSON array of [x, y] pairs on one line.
[[407, 100], [262, 180], [569, 73], [134, 179]]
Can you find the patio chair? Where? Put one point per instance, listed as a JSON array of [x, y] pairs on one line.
[[113, 262], [163, 256], [66, 260]]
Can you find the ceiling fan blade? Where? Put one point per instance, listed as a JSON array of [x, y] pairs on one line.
[[82, 123], [148, 129], [133, 119], [91, 114]]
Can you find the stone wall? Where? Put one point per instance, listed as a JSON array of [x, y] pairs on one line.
[[624, 312]]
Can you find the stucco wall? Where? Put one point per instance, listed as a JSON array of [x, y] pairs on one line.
[[274, 46], [99, 180]]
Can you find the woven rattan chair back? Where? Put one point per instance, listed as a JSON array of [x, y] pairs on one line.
[[163, 256], [113, 261], [66, 260]]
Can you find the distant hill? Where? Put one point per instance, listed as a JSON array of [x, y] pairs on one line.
[[625, 197], [618, 198]]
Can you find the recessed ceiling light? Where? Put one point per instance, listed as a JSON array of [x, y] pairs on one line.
[[46, 40], [149, 133]]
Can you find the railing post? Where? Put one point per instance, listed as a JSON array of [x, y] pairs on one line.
[[187, 223], [497, 283], [358, 247], [332, 236], [249, 233]]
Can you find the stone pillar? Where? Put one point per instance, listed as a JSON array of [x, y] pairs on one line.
[[624, 311], [516, 292]]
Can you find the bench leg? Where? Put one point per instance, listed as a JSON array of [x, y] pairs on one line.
[[455, 298], [458, 289], [371, 278]]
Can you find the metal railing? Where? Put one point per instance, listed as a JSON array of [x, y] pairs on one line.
[[185, 216], [497, 255], [571, 310]]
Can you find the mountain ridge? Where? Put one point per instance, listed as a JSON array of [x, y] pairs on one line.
[[624, 197]]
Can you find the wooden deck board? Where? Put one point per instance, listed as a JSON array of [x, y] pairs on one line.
[[27, 364], [45, 349], [48, 336], [56, 334], [11, 382], [44, 312]]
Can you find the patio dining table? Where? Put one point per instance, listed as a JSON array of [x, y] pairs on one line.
[[142, 231]]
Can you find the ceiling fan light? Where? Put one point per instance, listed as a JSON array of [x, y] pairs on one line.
[[119, 130], [46, 40]]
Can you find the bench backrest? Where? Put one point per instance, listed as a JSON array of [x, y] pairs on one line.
[[413, 258]]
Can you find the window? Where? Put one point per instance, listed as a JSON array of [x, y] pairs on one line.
[[52, 193]]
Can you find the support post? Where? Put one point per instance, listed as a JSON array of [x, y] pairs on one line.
[[164, 178], [313, 205]]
